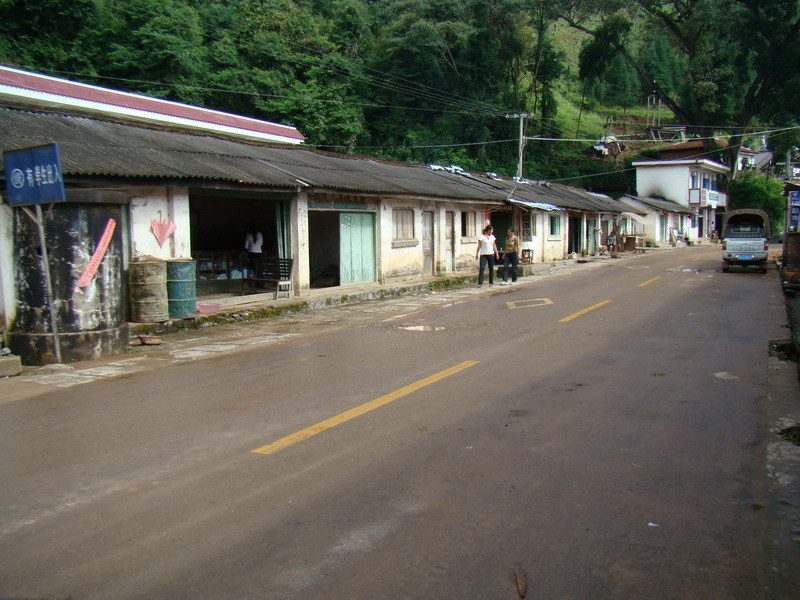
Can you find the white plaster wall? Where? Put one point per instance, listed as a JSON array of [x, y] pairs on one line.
[[8, 288], [150, 204], [667, 181], [537, 242], [554, 247]]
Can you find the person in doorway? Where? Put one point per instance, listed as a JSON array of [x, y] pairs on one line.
[[511, 256], [253, 243], [487, 253], [612, 242]]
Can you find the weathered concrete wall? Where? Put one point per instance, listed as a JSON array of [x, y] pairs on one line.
[[791, 254], [8, 290], [90, 324], [402, 260], [301, 269], [399, 260], [150, 204]]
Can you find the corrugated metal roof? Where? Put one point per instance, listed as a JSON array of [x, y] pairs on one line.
[[97, 148], [534, 205], [555, 194]]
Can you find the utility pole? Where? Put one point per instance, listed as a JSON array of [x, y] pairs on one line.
[[521, 117]]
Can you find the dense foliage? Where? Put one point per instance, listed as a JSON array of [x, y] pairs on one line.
[[433, 80]]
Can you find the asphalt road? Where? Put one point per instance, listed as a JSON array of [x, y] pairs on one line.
[[601, 432]]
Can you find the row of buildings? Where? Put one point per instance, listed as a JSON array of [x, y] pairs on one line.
[[183, 182]]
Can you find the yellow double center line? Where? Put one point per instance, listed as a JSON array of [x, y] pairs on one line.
[[360, 410]]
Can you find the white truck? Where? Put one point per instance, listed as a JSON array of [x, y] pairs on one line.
[[745, 234]]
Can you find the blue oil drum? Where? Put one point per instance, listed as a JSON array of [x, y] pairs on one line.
[[181, 288]]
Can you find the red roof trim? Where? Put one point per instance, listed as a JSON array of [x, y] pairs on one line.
[[89, 93]]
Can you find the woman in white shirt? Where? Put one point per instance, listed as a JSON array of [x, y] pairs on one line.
[[252, 243], [487, 252]]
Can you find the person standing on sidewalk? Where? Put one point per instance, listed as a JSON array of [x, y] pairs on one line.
[[487, 252], [511, 255]]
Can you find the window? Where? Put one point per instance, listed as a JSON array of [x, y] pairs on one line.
[[555, 225], [403, 220], [468, 224], [528, 226]]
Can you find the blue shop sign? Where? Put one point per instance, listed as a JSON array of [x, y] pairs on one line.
[[794, 210], [33, 176]]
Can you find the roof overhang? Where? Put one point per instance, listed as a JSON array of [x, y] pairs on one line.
[[700, 163], [635, 217], [23, 87], [529, 205]]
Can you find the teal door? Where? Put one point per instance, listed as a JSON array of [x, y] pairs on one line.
[[357, 248]]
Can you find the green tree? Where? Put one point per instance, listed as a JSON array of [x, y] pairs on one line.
[[753, 190], [45, 35], [735, 56]]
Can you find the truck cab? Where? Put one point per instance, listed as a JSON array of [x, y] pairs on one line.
[[745, 233]]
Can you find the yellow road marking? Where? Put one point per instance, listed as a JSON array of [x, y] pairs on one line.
[[678, 267], [580, 313], [360, 410], [649, 281]]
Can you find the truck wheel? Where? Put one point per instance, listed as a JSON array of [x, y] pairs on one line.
[[725, 266], [764, 266]]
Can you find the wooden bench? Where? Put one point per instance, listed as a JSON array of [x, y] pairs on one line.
[[271, 274]]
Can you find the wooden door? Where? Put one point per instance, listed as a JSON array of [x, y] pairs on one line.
[[449, 241], [427, 243], [357, 248]]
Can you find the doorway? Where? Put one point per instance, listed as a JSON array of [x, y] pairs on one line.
[[449, 241], [427, 243], [575, 235], [341, 248]]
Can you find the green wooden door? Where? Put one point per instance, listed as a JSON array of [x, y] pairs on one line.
[[357, 248]]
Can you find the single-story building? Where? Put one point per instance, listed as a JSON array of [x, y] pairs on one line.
[[150, 182]]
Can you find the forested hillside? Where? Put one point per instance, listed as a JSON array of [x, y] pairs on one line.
[[436, 80]]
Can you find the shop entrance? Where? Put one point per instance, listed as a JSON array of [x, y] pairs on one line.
[[219, 221]]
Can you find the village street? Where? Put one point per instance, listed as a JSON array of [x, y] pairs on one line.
[[601, 434]]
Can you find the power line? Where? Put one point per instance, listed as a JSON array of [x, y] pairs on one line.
[[412, 147]]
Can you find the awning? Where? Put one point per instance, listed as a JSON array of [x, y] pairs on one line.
[[534, 205], [635, 217]]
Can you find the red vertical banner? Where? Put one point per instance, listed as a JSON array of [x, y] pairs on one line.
[[99, 252]]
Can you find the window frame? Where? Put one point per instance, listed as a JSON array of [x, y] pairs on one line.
[[404, 228], [469, 225], [555, 232]]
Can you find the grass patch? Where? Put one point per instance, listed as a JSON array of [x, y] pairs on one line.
[[791, 434]]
